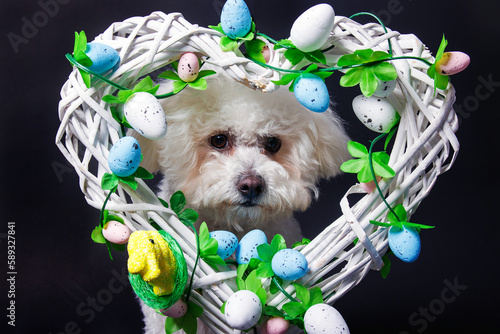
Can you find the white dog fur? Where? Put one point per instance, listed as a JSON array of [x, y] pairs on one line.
[[244, 184]]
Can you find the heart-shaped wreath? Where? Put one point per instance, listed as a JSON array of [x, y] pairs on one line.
[[187, 275]]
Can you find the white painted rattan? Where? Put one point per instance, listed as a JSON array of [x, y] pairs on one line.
[[425, 146]]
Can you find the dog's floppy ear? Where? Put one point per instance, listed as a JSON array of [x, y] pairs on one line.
[[149, 150], [330, 143]]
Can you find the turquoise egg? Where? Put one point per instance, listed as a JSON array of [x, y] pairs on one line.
[[227, 243], [289, 264], [103, 57], [404, 243], [125, 156], [311, 91], [235, 19], [247, 248]]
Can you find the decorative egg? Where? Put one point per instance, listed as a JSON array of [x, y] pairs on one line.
[[227, 243], [247, 248], [376, 113], [177, 310], [368, 187], [243, 310], [125, 156], [103, 57], [385, 88], [276, 325], [311, 91], [145, 114], [235, 19], [116, 232], [266, 53], [323, 318], [404, 243], [452, 63], [189, 67], [313, 27], [289, 264]]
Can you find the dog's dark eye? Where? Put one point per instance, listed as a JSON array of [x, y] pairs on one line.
[[273, 144], [219, 141]]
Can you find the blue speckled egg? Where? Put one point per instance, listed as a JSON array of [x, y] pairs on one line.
[[103, 57], [404, 243], [235, 19], [227, 243], [289, 264], [247, 248], [311, 91], [125, 156]]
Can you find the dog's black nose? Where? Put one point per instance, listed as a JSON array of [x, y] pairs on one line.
[[251, 186]]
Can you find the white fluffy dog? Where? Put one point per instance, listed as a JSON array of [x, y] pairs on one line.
[[243, 158]]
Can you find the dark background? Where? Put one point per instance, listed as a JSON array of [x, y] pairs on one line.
[[60, 271]]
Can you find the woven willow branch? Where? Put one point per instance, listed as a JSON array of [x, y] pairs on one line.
[[425, 146]]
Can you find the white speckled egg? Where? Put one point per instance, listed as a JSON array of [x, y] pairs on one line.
[[189, 67], [311, 91], [125, 156], [404, 243], [385, 88], [247, 248], [276, 325], [452, 63], [145, 114], [235, 19], [243, 310], [289, 264], [376, 113], [103, 57], [313, 27], [177, 310], [323, 318], [227, 243], [116, 232]]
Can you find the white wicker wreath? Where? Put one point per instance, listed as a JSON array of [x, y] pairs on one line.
[[424, 147]]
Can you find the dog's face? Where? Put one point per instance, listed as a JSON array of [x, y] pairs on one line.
[[242, 157]]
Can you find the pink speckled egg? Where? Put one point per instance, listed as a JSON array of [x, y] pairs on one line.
[[189, 67], [452, 63], [276, 325], [177, 310], [368, 187], [116, 232], [266, 53]]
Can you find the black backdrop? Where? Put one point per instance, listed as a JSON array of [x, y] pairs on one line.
[[66, 284]]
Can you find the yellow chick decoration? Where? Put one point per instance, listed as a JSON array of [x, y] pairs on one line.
[[151, 257]]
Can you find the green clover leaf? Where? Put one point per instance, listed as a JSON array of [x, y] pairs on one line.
[[200, 83], [254, 49], [367, 68], [440, 81], [188, 322], [266, 253], [229, 44], [398, 217], [296, 310], [81, 57], [361, 165], [291, 77], [208, 247]]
